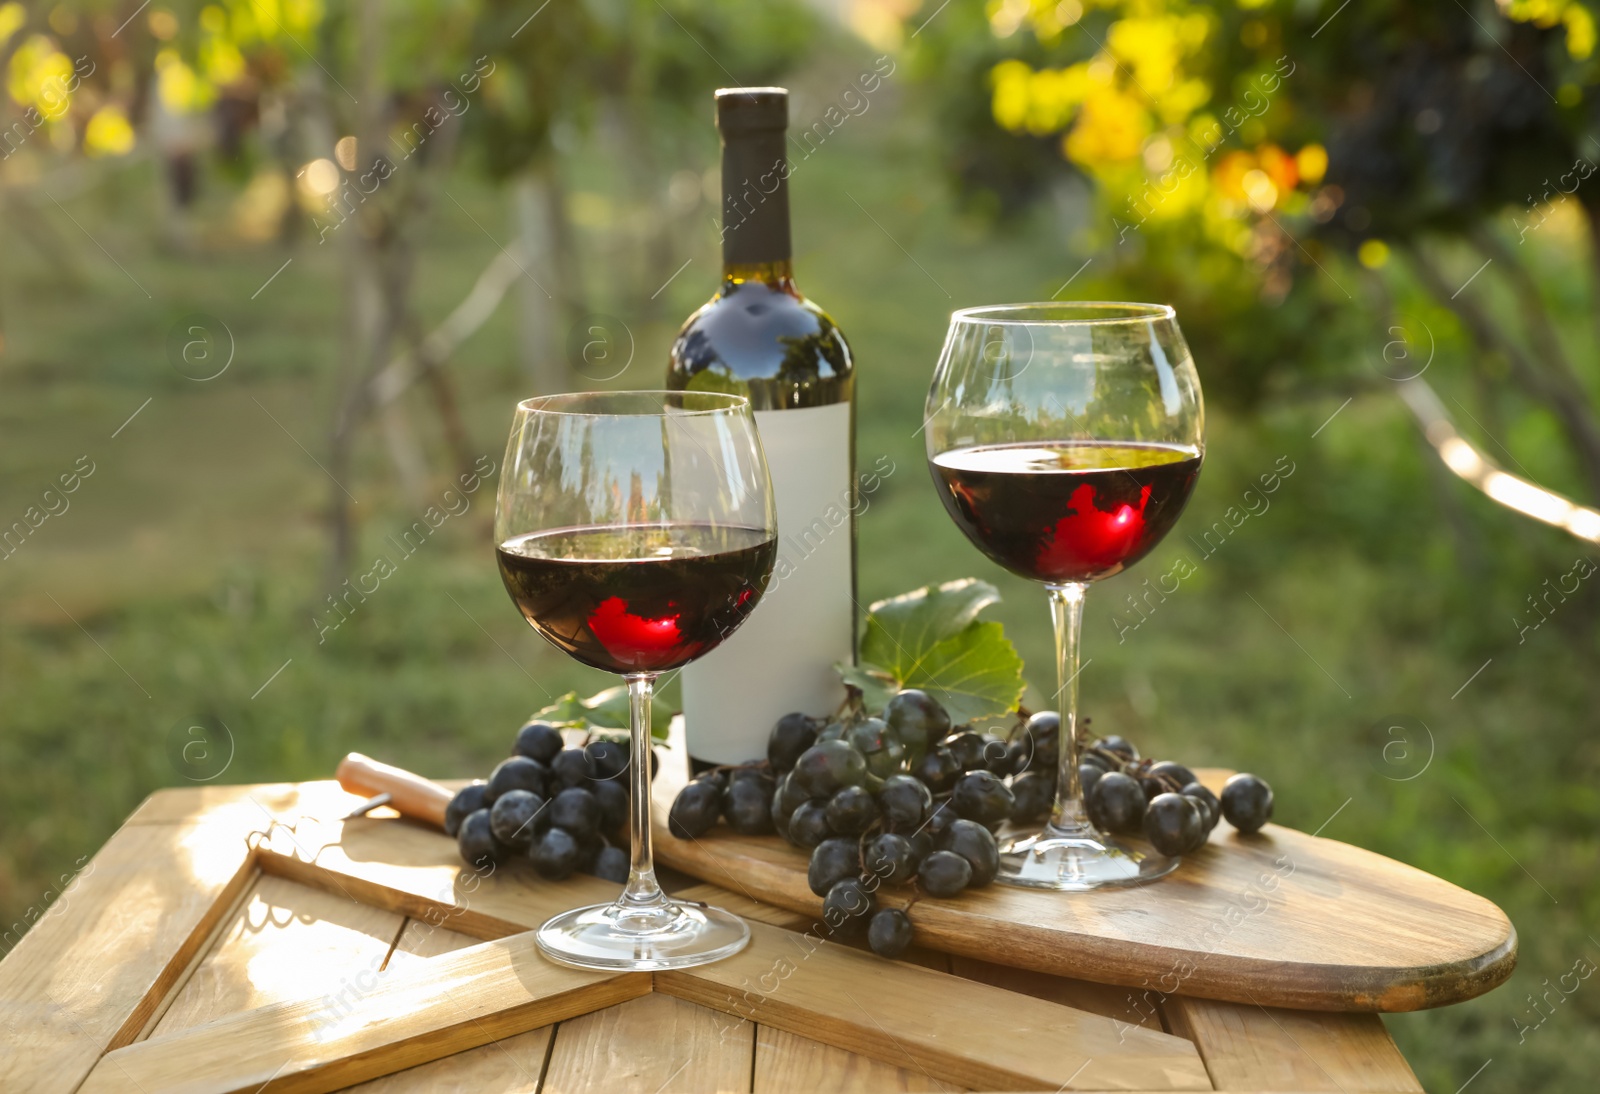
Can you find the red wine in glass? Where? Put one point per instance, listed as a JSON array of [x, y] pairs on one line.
[[637, 598], [1069, 510]]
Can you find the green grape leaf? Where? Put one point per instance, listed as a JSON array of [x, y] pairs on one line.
[[901, 628], [877, 685], [932, 639], [974, 674], [605, 712]]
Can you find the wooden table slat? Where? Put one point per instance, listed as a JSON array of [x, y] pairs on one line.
[[787, 1063], [963, 1031], [1102, 999], [653, 1045], [511, 1065], [95, 968], [415, 1014], [1261, 1048], [285, 942]]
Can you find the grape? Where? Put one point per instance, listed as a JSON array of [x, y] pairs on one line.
[[942, 817], [469, 799], [1121, 746], [569, 768], [918, 718], [832, 861], [694, 810], [793, 734], [1098, 762], [516, 817], [1165, 777], [967, 748], [944, 873], [833, 731], [1044, 731], [980, 796], [937, 770], [752, 769], [792, 793], [780, 815], [611, 865], [517, 773], [847, 907], [921, 846], [747, 805], [976, 844], [588, 852], [1088, 775], [612, 797], [879, 744], [538, 741], [605, 759], [889, 932], [809, 824], [1117, 803], [719, 779], [1019, 757], [555, 854], [891, 858], [1246, 802], [905, 801], [996, 756], [475, 840], [1210, 807], [825, 768], [852, 811], [1032, 796], [1172, 824], [576, 811]]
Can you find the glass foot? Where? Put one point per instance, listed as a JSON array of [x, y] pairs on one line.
[[642, 939], [1076, 863]]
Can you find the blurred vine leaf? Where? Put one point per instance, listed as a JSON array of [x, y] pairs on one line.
[[932, 639]]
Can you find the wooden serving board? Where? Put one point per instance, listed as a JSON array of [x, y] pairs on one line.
[[1279, 918]]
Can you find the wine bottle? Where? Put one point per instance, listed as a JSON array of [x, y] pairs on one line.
[[759, 337]]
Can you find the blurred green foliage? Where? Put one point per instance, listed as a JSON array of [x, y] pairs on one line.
[[1274, 168]]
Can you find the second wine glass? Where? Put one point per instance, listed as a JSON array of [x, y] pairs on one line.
[[636, 531], [1065, 440]]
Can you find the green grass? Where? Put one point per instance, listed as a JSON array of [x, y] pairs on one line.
[[192, 558]]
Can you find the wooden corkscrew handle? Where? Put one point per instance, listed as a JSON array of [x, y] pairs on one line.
[[409, 794]]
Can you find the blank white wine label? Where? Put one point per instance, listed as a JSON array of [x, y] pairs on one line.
[[782, 658]]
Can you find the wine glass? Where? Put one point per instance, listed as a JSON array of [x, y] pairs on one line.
[[1065, 440], [635, 531]]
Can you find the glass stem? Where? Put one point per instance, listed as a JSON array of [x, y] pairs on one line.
[[642, 890], [1066, 611]]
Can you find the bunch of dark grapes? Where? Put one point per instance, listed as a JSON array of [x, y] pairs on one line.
[[858, 794], [1162, 800], [563, 809], [906, 798]]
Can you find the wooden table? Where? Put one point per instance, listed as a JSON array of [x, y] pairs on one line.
[[235, 938]]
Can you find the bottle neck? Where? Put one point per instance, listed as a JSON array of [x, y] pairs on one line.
[[777, 275], [755, 205]]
